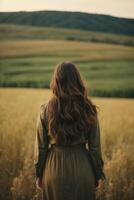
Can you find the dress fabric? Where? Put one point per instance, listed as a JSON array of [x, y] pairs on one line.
[[67, 172]]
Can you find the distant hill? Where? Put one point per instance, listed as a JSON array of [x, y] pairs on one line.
[[71, 20]]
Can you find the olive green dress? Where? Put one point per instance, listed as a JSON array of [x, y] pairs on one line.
[[67, 172]]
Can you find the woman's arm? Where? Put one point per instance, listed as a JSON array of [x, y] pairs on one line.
[[41, 142], [95, 154]]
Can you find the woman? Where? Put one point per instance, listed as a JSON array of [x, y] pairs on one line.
[[65, 168]]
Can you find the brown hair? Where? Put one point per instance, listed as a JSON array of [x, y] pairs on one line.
[[70, 111]]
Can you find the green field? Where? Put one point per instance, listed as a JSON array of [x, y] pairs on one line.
[[21, 32], [28, 56], [107, 68]]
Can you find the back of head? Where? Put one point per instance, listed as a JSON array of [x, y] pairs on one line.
[[71, 112]]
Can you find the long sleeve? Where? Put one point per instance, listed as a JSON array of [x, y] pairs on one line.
[[41, 142], [95, 154]]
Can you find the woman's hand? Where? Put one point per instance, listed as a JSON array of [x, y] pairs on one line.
[[39, 182], [99, 184]]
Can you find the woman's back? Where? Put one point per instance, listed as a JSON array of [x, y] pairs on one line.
[[69, 121]]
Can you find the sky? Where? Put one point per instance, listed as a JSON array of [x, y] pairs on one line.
[[119, 8]]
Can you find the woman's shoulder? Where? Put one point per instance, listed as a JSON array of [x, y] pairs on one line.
[[44, 109], [44, 105]]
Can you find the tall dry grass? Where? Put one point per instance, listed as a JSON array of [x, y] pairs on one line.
[[19, 108]]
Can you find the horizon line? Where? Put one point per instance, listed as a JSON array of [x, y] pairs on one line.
[[69, 11]]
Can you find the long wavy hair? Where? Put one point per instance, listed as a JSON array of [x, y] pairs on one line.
[[71, 112]]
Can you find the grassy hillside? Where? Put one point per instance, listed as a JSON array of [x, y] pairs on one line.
[[75, 20], [19, 108], [108, 69], [16, 32]]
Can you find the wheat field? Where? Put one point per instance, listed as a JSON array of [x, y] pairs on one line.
[[18, 113]]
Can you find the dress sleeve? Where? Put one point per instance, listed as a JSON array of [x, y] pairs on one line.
[[95, 154], [41, 142]]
